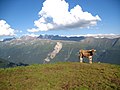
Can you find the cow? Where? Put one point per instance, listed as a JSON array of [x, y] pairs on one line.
[[86, 53]]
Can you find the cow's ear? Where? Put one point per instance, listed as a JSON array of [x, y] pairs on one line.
[[94, 50]]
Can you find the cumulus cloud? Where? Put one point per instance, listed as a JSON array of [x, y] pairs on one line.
[[5, 29], [55, 14]]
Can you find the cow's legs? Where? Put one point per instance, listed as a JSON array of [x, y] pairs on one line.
[[81, 59], [90, 59]]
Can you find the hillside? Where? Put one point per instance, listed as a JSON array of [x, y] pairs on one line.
[[7, 64], [3, 63], [61, 76]]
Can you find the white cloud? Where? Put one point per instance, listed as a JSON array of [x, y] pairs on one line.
[[110, 36], [55, 15], [5, 29], [33, 35]]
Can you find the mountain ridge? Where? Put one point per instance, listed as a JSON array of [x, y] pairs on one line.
[[65, 37]]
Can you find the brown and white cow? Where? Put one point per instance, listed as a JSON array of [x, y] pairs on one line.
[[86, 53]]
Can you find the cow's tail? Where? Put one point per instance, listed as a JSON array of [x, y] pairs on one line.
[[81, 51]]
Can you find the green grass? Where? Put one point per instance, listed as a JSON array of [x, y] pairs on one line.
[[61, 76]]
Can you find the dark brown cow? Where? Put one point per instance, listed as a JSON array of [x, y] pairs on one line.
[[86, 53]]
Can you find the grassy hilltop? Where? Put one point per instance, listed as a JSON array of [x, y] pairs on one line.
[[61, 76]]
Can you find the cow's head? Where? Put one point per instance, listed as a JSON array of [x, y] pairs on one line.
[[92, 51]]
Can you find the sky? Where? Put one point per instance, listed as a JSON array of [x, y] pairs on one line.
[[59, 17]]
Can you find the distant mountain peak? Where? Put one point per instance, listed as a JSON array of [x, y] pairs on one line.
[[27, 37], [7, 39]]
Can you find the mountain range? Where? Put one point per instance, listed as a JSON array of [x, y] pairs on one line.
[[53, 48]]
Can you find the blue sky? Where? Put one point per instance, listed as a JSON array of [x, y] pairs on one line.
[[24, 17]]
